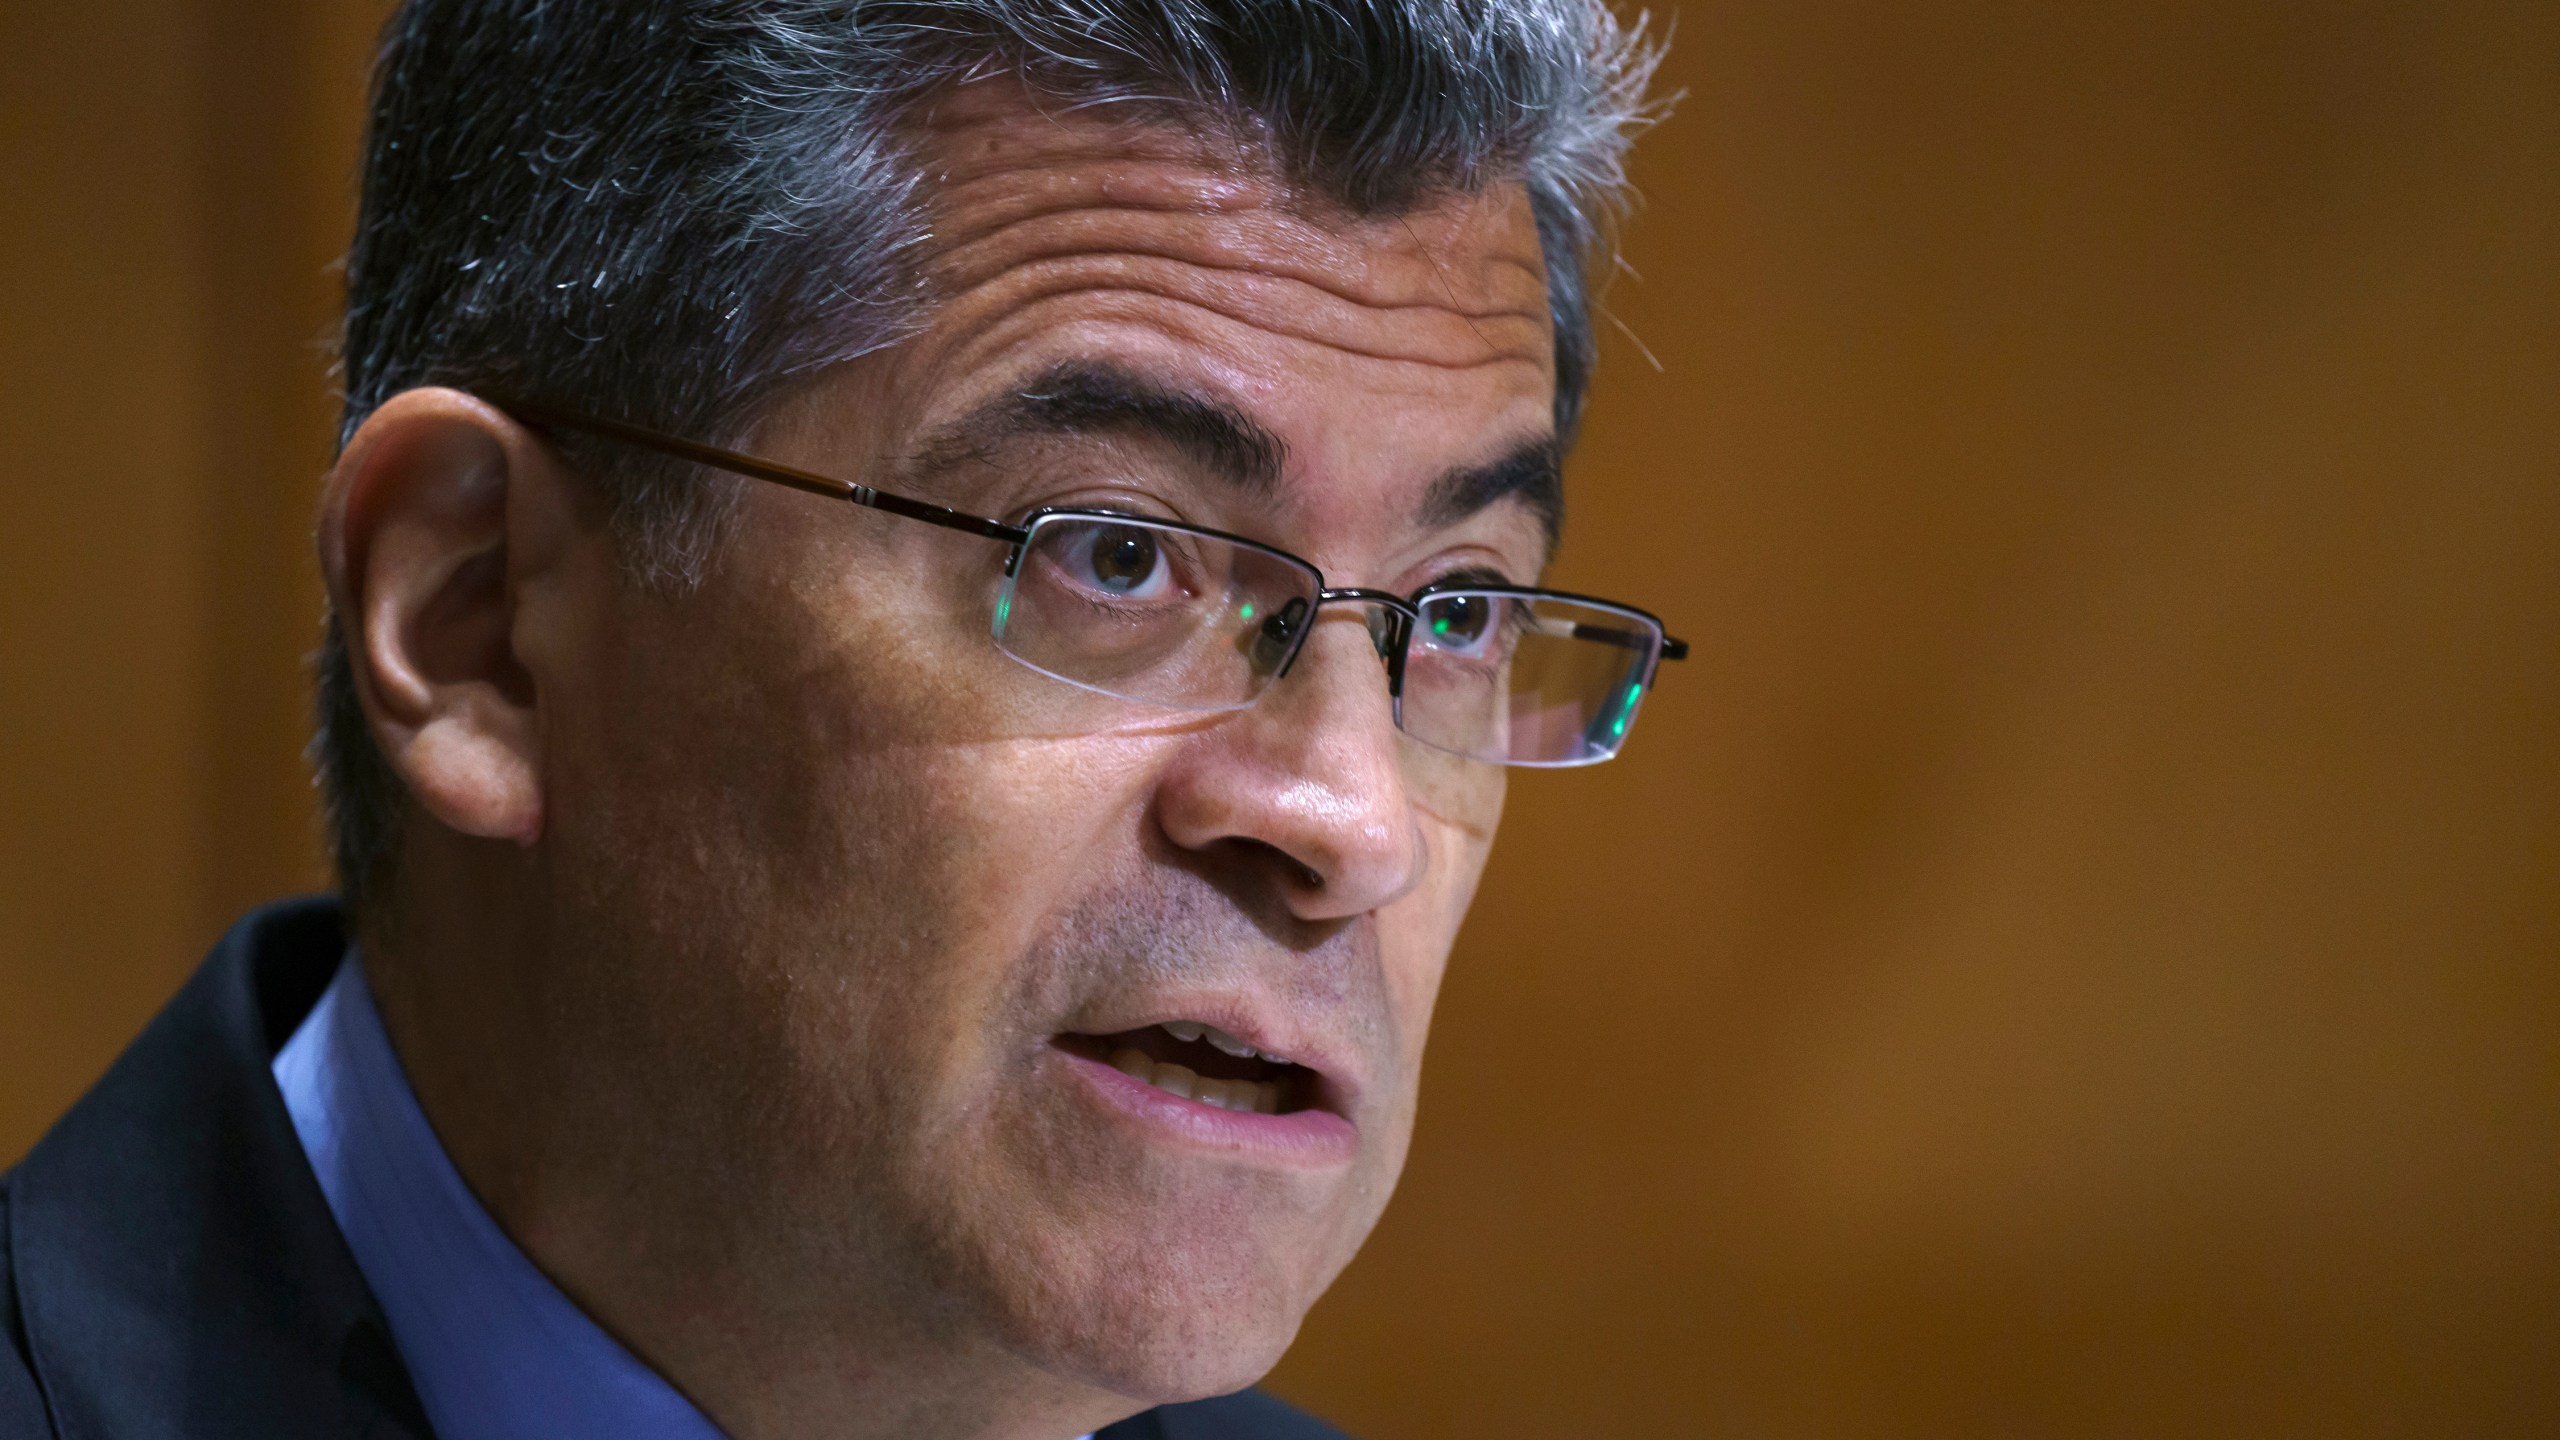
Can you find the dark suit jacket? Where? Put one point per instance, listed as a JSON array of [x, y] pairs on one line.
[[172, 1270]]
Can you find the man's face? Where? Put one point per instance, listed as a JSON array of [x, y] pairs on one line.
[[862, 911]]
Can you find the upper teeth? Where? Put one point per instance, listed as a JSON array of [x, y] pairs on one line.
[[1192, 1030]]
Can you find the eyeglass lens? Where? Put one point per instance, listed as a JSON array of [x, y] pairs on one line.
[[1176, 618]]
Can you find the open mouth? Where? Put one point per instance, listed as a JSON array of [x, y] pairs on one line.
[[1203, 1064]]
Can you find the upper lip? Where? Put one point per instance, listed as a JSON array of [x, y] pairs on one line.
[[1264, 1027]]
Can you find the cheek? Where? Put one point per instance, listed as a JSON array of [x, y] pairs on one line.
[[941, 864]]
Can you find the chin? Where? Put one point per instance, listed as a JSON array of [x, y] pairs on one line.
[[1166, 1359], [1157, 1318]]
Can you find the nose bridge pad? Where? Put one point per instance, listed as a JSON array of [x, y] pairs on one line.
[[1277, 640], [1382, 629], [1389, 628]]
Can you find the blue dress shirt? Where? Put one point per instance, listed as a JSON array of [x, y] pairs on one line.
[[496, 1351]]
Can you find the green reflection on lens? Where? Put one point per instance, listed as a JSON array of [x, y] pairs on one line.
[[1247, 612], [1004, 607]]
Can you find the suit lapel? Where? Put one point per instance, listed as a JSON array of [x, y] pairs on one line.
[[178, 1272]]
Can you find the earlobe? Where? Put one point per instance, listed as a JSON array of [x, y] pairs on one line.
[[427, 546]]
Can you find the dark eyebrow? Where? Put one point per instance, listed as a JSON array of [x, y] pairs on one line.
[[1532, 473], [1085, 397]]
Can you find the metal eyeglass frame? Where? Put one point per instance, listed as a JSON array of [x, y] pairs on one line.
[[1392, 647]]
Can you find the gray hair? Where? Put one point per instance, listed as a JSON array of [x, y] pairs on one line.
[[671, 210]]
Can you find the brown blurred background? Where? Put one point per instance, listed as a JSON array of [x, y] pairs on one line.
[[2076, 953]]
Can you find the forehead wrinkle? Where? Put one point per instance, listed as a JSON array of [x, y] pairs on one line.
[[1382, 265], [1428, 334], [1008, 190], [1026, 212], [1340, 268]]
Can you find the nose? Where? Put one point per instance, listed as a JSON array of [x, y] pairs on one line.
[[1306, 790]]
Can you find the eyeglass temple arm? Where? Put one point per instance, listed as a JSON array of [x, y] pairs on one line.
[[1631, 639], [552, 417]]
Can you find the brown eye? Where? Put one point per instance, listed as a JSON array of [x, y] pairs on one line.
[[1123, 558]]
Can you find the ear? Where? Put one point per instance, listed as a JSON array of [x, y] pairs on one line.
[[439, 519]]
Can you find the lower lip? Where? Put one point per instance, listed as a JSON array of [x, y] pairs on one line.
[[1305, 1139]]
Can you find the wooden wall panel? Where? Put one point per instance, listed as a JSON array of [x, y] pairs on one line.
[[180, 179], [283, 100], [102, 634]]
